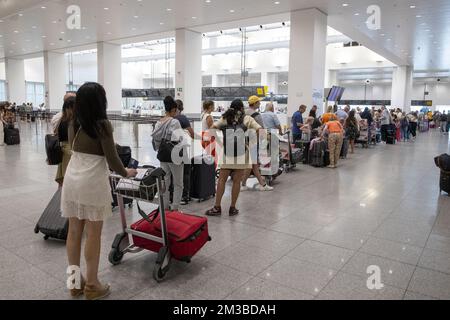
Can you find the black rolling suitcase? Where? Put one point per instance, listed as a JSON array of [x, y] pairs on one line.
[[319, 154], [391, 134], [51, 223], [443, 163], [12, 136], [203, 179], [345, 147]]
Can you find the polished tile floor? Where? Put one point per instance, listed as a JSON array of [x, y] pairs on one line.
[[312, 238]]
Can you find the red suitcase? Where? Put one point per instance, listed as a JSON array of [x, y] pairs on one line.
[[187, 234]]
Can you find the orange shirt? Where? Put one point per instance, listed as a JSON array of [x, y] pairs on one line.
[[334, 127], [326, 117]]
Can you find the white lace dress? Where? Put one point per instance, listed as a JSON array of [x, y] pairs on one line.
[[86, 192]]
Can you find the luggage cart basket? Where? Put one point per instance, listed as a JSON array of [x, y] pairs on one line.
[[144, 189]]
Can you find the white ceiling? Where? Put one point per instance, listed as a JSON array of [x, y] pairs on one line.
[[416, 36]]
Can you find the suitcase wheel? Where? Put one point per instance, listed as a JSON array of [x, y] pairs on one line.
[[115, 257], [36, 229]]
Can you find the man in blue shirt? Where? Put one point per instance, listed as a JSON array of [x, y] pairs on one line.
[[297, 123]]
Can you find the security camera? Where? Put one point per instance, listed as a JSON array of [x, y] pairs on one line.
[[368, 81], [439, 80]]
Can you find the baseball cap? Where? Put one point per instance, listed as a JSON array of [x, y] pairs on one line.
[[253, 100]]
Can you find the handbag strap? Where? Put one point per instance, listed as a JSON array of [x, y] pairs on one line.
[[167, 124]]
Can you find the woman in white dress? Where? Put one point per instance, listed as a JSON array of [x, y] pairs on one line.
[[86, 194]]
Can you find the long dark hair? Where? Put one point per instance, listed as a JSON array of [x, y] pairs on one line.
[[235, 113], [68, 107], [351, 120], [90, 109]]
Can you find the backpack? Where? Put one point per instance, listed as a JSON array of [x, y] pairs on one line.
[[255, 115], [236, 131], [404, 122]]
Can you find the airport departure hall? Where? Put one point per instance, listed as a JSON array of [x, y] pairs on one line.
[[251, 150]]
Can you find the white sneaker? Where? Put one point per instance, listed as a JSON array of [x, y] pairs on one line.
[[265, 188], [244, 188]]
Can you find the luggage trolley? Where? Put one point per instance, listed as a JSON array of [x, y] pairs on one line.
[[142, 189]]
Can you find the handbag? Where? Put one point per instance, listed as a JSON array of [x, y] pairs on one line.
[[166, 147], [53, 150]]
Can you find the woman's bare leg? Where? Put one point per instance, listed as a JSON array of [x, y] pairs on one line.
[[92, 252], [223, 178], [73, 244], [238, 176]]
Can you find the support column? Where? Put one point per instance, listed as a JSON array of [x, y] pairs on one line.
[[109, 62], [331, 78], [307, 59], [402, 84], [270, 79], [55, 79], [188, 70], [15, 78]]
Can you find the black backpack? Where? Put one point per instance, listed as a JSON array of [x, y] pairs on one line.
[[53, 150], [236, 132]]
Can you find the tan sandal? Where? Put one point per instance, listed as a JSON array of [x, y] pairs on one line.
[[94, 294], [75, 293]]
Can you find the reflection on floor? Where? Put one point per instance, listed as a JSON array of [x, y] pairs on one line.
[[312, 238]]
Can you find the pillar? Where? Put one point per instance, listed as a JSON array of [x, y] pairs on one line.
[[331, 78], [55, 79], [15, 78], [270, 79], [307, 59], [109, 62], [188, 70], [402, 83]]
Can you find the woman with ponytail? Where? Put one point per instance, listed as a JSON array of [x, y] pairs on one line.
[[234, 124]]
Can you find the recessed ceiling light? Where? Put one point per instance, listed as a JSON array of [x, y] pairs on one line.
[[418, 16], [412, 7], [62, 32], [44, 37], [134, 29], [33, 27], [208, 1], [20, 14], [43, 7], [277, 2], [389, 39], [231, 11], [52, 44], [1, 21], [106, 8], [169, 9], [194, 18], [345, 4], [356, 14], [69, 40], [161, 23], [136, 17], [108, 22], [16, 31], [382, 34]]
